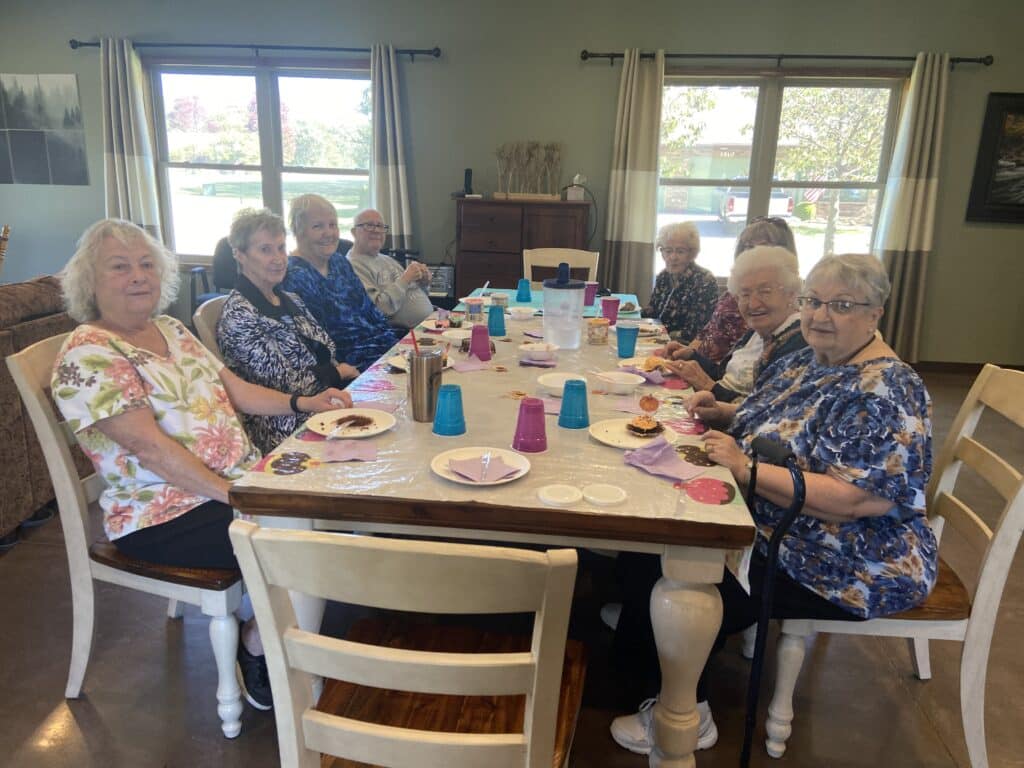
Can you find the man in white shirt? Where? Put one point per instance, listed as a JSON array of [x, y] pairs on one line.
[[400, 294]]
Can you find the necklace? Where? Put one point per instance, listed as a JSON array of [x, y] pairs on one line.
[[855, 352]]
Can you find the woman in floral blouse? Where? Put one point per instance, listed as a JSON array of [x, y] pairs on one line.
[[155, 411], [684, 294], [858, 421], [323, 278], [266, 335]]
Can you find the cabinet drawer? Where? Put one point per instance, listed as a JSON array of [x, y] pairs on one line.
[[473, 269], [491, 227]]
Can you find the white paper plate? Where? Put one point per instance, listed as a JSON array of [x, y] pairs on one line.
[[559, 495], [487, 299], [430, 324], [613, 432], [604, 495], [456, 335], [636, 362], [646, 326], [619, 382], [439, 464], [325, 423], [401, 362], [554, 383]]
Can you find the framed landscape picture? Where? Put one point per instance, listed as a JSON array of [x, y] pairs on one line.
[[997, 192]]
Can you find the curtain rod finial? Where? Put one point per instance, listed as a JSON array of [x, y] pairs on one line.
[[73, 44], [436, 53], [584, 54], [989, 60]]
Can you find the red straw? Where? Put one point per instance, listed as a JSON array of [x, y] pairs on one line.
[[414, 344]]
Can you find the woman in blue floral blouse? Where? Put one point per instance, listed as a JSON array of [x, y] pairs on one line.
[[858, 421], [323, 278], [266, 335], [684, 294]]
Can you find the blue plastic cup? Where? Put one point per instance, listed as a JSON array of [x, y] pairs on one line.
[[448, 417], [496, 320], [523, 291], [574, 413], [625, 337]]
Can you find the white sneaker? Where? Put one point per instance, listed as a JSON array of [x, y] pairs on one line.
[[636, 732], [610, 613]]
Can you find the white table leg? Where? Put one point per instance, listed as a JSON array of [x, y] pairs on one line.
[[686, 611]]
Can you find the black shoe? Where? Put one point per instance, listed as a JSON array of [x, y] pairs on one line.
[[9, 541], [42, 515], [252, 676]]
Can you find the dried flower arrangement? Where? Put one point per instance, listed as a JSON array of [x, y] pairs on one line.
[[529, 170]]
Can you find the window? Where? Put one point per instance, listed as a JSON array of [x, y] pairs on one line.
[[814, 151], [231, 138]]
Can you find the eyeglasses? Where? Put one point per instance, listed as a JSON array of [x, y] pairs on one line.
[[835, 307], [372, 226], [764, 294], [666, 251]]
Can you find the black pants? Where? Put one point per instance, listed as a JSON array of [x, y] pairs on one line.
[[634, 651], [197, 539]]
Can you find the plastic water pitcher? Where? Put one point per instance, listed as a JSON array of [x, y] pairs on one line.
[[563, 309]]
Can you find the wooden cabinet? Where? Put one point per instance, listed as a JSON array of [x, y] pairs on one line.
[[492, 234]]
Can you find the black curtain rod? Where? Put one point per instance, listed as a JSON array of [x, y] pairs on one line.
[[778, 57], [411, 52]]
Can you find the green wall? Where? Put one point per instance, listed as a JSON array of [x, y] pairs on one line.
[[511, 71]]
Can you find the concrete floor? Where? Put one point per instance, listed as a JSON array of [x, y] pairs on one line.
[[148, 694]]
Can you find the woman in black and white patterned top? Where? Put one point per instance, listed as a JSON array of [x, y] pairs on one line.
[[266, 335]]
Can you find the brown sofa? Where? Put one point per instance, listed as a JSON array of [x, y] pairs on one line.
[[29, 311]]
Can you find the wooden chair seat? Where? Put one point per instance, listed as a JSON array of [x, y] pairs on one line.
[[214, 579], [948, 601], [458, 714]]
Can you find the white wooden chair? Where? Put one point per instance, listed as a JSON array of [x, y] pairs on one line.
[[205, 320], [422, 577], [218, 593], [972, 572], [542, 263]]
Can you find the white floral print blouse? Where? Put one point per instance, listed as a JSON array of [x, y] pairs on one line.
[[98, 375]]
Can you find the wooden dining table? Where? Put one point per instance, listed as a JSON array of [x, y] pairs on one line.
[[698, 526]]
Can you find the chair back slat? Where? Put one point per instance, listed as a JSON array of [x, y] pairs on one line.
[[405, 576], [417, 576], [462, 674], [205, 319], [375, 744], [551, 257], [993, 469], [1002, 393]]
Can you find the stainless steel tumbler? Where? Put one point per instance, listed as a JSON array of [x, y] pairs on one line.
[[424, 382]]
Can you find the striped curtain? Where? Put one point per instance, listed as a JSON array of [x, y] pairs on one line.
[[388, 186], [628, 262], [907, 220], [129, 170]]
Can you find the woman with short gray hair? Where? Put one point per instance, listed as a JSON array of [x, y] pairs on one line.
[[684, 294]]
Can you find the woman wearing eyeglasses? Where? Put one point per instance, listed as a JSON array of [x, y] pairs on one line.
[[323, 278], [765, 281], [858, 421], [684, 294]]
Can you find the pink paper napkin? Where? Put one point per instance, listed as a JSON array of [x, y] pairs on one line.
[[469, 364], [659, 458], [371, 385], [675, 383], [375, 405], [539, 363], [473, 469], [552, 405], [687, 426], [349, 450], [652, 377]]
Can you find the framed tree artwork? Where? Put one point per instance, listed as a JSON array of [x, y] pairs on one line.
[[997, 192]]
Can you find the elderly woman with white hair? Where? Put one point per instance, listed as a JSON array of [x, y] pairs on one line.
[[857, 420], [157, 413], [684, 293], [765, 281]]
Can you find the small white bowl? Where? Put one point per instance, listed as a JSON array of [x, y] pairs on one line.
[[619, 382], [520, 313], [538, 350], [553, 383]]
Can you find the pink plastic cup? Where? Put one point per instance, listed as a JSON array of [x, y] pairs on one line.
[[530, 436], [480, 343], [610, 309], [589, 293]]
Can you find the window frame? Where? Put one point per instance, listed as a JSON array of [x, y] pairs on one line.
[[767, 120], [268, 114]]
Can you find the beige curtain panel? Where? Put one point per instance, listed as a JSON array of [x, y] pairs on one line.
[[907, 220], [628, 262], [128, 163], [388, 186]]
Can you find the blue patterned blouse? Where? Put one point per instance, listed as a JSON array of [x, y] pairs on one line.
[[868, 423], [339, 302]]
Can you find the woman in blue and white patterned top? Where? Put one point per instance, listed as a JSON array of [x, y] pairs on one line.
[[266, 335], [858, 421]]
